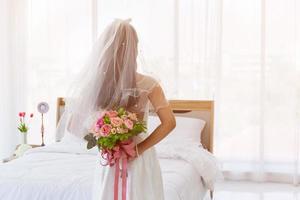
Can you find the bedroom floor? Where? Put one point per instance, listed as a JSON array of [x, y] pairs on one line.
[[256, 191]]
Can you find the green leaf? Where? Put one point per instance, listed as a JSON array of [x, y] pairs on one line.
[[91, 140], [23, 128], [139, 127], [121, 111], [106, 120]]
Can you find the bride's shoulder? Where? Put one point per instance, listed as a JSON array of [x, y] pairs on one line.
[[144, 77], [146, 82]]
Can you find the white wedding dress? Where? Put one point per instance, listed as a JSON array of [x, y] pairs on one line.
[[144, 180]]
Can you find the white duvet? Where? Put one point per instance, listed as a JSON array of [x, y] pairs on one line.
[[192, 152], [65, 171]]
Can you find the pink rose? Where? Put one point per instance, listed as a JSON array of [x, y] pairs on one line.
[[100, 122], [112, 113], [116, 121], [105, 129], [128, 123]]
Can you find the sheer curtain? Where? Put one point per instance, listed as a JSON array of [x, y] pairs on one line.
[[13, 60], [242, 54], [43, 44], [60, 37], [258, 104], [5, 76]]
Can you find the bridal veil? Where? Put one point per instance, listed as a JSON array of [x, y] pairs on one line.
[[107, 81]]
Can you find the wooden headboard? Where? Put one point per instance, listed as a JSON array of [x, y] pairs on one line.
[[189, 108], [198, 109]]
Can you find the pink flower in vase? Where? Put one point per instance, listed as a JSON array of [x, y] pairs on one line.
[[23, 126], [22, 114]]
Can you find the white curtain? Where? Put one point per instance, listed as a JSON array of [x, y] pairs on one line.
[[13, 61], [5, 76], [258, 100], [242, 54], [177, 40], [43, 44], [60, 37]]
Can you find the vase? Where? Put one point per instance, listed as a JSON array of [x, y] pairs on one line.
[[24, 138]]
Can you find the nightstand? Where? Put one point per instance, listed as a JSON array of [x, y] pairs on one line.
[[32, 145], [20, 152]]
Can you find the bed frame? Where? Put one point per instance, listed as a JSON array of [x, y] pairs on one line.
[[189, 108]]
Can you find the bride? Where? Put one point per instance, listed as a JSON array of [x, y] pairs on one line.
[[110, 80]]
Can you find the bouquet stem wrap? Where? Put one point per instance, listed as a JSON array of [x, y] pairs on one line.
[[123, 152]]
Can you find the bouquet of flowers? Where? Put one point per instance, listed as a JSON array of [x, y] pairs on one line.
[[112, 133], [114, 127]]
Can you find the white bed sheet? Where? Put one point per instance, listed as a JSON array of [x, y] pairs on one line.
[[51, 175]]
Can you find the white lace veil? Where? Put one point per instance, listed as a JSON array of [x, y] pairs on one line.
[[107, 81]]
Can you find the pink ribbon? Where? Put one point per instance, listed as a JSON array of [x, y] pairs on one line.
[[125, 151]]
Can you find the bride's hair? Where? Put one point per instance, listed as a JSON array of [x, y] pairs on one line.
[[107, 81], [121, 55]]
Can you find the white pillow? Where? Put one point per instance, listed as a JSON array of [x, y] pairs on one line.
[[72, 139], [77, 144], [186, 128]]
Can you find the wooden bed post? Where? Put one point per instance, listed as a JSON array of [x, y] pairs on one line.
[[60, 103]]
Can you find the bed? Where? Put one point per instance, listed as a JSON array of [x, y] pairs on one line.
[[64, 170]]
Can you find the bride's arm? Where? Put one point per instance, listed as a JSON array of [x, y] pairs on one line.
[[166, 117]]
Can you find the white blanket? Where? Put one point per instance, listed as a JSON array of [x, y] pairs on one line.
[[181, 181], [65, 171], [47, 176], [192, 152]]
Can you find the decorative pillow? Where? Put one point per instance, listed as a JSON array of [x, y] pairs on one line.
[[186, 128]]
